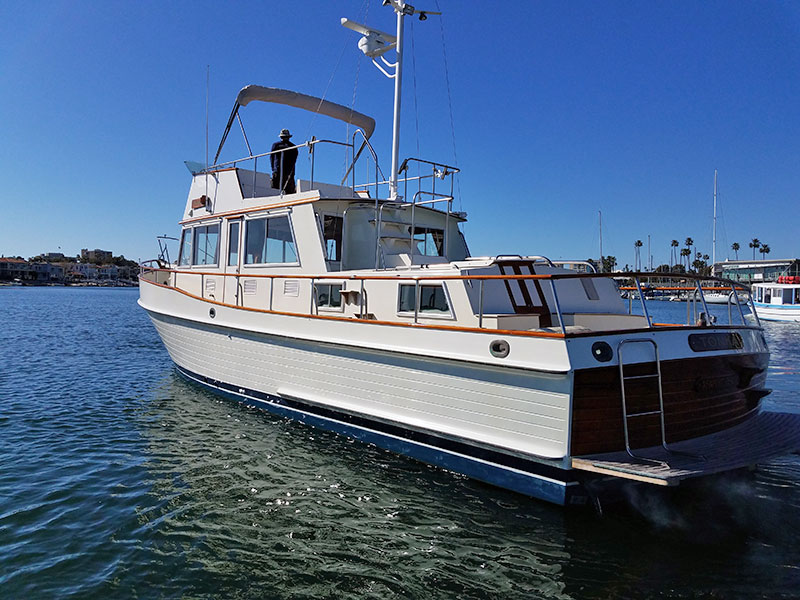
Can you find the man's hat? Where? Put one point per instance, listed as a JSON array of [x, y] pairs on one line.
[[285, 133]]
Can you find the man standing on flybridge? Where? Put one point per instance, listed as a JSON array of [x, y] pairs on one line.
[[283, 163]]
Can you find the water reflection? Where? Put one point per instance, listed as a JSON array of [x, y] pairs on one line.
[[245, 493]]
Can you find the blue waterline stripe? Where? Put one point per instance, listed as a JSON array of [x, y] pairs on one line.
[[510, 472], [781, 306]]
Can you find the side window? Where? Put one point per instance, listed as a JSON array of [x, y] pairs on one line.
[[206, 244], [329, 295], [429, 242], [186, 248], [280, 243], [332, 236], [432, 299], [255, 240], [233, 243], [588, 287], [269, 240]]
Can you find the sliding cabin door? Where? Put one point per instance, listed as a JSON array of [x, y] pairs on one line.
[[232, 261]]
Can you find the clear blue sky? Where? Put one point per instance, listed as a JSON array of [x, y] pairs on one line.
[[560, 110]]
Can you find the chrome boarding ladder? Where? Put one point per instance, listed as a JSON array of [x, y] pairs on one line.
[[626, 416], [660, 412]]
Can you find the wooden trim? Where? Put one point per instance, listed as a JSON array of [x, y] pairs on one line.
[[577, 334], [540, 334], [589, 465], [244, 211]]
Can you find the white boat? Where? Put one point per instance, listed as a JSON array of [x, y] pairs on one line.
[[779, 300], [365, 314], [726, 297]]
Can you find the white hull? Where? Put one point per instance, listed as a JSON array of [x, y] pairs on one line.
[[712, 298], [523, 411], [769, 312]]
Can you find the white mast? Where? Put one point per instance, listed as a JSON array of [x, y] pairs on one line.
[[714, 233], [398, 88]]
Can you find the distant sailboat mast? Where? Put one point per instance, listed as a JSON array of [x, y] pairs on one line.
[[714, 232], [600, 213]]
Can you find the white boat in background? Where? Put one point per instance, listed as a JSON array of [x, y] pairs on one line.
[[364, 313], [726, 297], [780, 300]]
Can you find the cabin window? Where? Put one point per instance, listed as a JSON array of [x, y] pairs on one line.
[[206, 243], [767, 296], [329, 295], [186, 248], [591, 291], [269, 240], [332, 235], [787, 295], [429, 242], [432, 299], [233, 244]]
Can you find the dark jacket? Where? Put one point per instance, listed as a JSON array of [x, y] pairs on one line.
[[289, 158]]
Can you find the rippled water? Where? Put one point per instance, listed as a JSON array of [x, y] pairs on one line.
[[119, 479]]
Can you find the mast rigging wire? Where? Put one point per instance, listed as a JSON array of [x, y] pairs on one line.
[[449, 101]]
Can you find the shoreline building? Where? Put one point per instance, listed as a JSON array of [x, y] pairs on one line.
[[96, 256], [757, 270]]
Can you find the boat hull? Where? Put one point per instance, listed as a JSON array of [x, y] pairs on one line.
[[777, 312], [505, 427]]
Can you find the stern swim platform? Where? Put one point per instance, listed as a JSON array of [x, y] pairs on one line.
[[759, 438]]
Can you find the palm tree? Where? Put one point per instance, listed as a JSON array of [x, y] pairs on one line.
[[764, 250], [673, 254], [735, 248], [637, 260], [754, 244], [685, 253], [689, 244]]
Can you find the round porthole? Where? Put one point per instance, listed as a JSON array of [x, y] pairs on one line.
[[499, 348], [602, 352], [212, 312]]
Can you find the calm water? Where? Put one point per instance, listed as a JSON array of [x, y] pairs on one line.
[[119, 479]]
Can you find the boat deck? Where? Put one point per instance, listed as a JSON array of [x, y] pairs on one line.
[[764, 436]]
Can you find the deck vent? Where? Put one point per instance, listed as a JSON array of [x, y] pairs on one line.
[[291, 287], [250, 286], [211, 286]]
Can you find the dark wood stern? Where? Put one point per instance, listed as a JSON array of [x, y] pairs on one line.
[[702, 395]]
